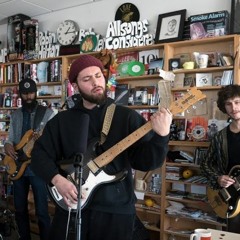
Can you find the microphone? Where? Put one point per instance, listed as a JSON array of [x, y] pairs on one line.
[[82, 134], [78, 131]]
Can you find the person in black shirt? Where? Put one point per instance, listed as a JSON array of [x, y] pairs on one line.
[[110, 213], [223, 153]]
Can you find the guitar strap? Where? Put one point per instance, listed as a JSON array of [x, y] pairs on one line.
[[38, 117], [107, 122]]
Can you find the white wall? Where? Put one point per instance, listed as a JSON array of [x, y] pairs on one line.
[[98, 14]]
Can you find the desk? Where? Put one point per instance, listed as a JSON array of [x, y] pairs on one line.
[[222, 235]]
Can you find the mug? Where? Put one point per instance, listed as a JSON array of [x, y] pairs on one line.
[[181, 135], [188, 65], [140, 184], [202, 60], [201, 234]]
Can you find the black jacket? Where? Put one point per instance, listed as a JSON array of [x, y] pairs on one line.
[[61, 139]]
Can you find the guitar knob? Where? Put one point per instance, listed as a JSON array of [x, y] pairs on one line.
[[230, 207]]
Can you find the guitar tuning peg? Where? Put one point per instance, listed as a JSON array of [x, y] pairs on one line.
[[188, 111], [194, 107]]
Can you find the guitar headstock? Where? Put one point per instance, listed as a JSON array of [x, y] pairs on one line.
[[191, 96]]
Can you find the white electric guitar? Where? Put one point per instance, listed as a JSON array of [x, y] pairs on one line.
[[93, 175]]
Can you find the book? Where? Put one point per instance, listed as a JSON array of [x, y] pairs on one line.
[[188, 155], [227, 77], [199, 155]]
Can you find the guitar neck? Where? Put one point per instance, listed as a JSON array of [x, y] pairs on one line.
[[114, 151], [190, 97], [27, 149]]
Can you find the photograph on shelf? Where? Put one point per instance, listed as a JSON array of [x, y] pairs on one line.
[[155, 65], [176, 127], [188, 82], [225, 59], [170, 26], [212, 58], [138, 93], [203, 79], [122, 94], [217, 80]]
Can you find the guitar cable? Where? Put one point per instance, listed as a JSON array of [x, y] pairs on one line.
[[69, 216]]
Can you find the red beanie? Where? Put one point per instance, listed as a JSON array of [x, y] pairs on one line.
[[81, 63]]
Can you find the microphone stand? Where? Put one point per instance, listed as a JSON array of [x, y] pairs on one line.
[[78, 163]]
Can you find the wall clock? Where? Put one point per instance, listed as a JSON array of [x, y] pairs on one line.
[[67, 32]]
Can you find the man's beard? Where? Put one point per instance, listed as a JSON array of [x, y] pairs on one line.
[[29, 106], [99, 99]]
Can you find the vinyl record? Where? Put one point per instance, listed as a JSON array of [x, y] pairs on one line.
[[88, 43], [127, 12], [123, 69], [136, 68]]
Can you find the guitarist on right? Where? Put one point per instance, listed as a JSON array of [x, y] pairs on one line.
[[223, 155]]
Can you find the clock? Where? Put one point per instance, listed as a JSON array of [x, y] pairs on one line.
[[67, 32], [174, 63]]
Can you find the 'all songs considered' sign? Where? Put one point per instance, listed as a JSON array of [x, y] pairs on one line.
[[128, 34]]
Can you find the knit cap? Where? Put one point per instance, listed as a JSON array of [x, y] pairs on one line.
[[81, 63]]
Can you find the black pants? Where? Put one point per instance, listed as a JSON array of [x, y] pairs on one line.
[[95, 225], [20, 191], [233, 224]]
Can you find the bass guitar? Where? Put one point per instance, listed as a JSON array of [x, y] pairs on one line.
[[16, 168], [94, 176], [226, 201]]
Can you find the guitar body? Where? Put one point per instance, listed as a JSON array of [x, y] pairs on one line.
[[90, 182], [226, 201], [13, 168], [16, 168]]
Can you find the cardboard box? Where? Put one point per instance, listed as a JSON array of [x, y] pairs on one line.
[[209, 25]]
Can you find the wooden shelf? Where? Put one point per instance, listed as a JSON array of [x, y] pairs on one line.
[[228, 44], [189, 143], [205, 221]]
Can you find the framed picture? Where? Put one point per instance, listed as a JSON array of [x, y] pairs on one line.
[[203, 79], [155, 65], [235, 17], [188, 82], [174, 63], [170, 26]]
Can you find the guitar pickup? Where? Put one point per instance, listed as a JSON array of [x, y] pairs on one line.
[[224, 194]]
